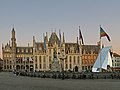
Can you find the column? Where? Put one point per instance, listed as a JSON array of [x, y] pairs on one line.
[[72, 61], [68, 63], [41, 62], [38, 63]]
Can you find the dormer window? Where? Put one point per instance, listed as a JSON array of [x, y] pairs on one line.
[[18, 50], [31, 50], [26, 50], [22, 50]]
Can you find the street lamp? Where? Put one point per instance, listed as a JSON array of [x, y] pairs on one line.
[[62, 57]]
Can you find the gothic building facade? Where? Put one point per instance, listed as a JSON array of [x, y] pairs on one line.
[[40, 56]]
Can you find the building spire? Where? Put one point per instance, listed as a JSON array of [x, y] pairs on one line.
[[13, 39], [46, 37], [13, 28], [33, 41], [63, 38]]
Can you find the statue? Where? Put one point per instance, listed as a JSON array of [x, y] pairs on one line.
[[54, 53], [55, 65]]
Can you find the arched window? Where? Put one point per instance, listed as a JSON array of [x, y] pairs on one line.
[[10, 67], [44, 59], [50, 59], [70, 59]]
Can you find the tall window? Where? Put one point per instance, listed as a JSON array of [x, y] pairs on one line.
[[40, 66], [10, 62], [66, 66], [36, 66], [74, 60], [31, 50], [26, 50], [36, 59], [50, 66], [44, 59], [4, 67], [50, 60], [70, 66], [40, 59], [78, 60], [10, 67], [70, 59], [44, 65]]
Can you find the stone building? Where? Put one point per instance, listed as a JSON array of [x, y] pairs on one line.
[[116, 62], [15, 57], [39, 57], [1, 64]]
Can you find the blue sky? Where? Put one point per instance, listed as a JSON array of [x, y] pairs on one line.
[[35, 17]]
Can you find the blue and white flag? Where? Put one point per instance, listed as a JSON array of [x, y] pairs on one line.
[[60, 37], [44, 45]]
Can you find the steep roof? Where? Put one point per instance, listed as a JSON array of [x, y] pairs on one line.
[[53, 39], [116, 55], [89, 48], [39, 45], [86, 48], [69, 46]]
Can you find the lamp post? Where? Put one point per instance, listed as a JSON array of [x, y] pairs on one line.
[[62, 57], [24, 60]]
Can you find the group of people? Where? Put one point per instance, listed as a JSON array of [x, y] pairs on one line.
[[68, 75]]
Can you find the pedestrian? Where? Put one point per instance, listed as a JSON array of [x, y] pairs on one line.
[[17, 73]]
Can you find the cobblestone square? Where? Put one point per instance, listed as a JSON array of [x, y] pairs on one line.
[[9, 81]]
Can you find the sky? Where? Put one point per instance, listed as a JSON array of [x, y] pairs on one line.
[[35, 17]]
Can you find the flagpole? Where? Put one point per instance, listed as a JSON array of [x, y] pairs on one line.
[[100, 50], [80, 48]]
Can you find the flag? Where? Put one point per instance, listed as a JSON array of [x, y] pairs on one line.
[[44, 46], [80, 36], [103, 34], [60, 37]]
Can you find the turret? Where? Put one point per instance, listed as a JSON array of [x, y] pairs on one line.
[[34, 50], [77, 45], [33, 41], [63, 43], [63, 38], [13, 39], [46, 38]]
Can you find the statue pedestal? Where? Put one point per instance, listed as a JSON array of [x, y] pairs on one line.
[[55, 65]]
